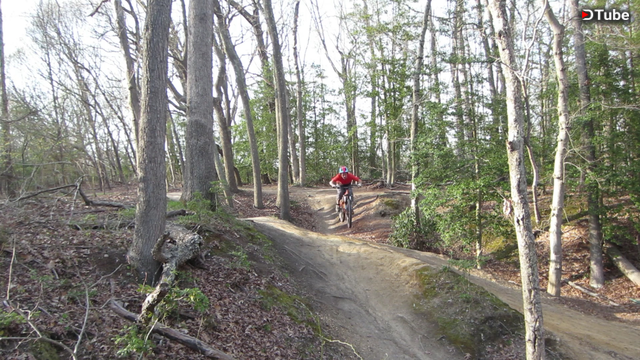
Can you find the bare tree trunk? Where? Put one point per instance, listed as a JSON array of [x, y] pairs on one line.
[[299, 111], [557, 205], [6, 169], [244, 96], [532, 306], [596, 278], [134, 94], [199, 157], [295, 162], [281, 110], [225, 132], [152, 200]]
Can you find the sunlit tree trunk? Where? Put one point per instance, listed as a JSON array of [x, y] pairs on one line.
[[532, 306], [557, 204], [152, 197], [415, 111]]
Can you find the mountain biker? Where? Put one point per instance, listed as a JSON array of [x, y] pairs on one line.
[[342, 181]]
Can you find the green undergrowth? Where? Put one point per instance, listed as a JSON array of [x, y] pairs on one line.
[[469, 317], [296, 307]]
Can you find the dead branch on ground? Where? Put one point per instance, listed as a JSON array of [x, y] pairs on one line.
[[175, 335]]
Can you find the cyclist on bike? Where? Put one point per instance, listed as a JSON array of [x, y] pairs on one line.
[[342, 181]]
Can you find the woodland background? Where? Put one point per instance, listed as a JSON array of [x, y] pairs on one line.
[[396, 90]]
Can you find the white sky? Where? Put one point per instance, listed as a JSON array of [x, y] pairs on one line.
[[14, 22]]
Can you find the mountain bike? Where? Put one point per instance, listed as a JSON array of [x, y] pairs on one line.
[[346, 207]]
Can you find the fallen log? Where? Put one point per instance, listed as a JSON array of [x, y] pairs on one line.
[[623, 264], [36, 193], [90, 202], [175, 247], [186, 340]]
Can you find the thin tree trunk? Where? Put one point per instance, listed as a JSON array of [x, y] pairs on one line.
[[532, 306], [596, 278], [415, 113], [6, 171], [299, 110], [283, 114], [557, 204], [295, 162], [223, 128], [246, 104], [134, 93]]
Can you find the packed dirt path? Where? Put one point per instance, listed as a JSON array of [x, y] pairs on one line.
[[367, 289]]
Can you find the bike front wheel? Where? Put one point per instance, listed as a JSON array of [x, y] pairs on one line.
[[349, 210]]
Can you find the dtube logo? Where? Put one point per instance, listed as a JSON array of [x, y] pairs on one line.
[[605, 15]]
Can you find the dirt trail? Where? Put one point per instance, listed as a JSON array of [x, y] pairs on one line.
[[367, 289]]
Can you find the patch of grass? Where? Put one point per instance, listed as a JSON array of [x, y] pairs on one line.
[[393, 204], [43, 350], [294, 306], [242, 259], [127, 214]]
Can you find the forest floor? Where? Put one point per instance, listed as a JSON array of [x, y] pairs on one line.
[[63, 262]]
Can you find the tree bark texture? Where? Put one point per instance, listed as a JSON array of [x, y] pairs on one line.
[[532, 307], [200, 169], [152, 200]]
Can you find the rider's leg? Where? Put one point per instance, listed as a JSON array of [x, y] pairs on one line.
[[341, 191]]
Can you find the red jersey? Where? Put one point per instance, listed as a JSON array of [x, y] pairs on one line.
[[350, 177]]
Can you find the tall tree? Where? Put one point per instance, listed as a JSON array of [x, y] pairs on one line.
[[152, 199], [596, 277], [282, 113], [415, 111], [200, 169], [222, 116], [557, 203], [6, 174], [299, 101], [230, 50], [132, 78], [532, 306]]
